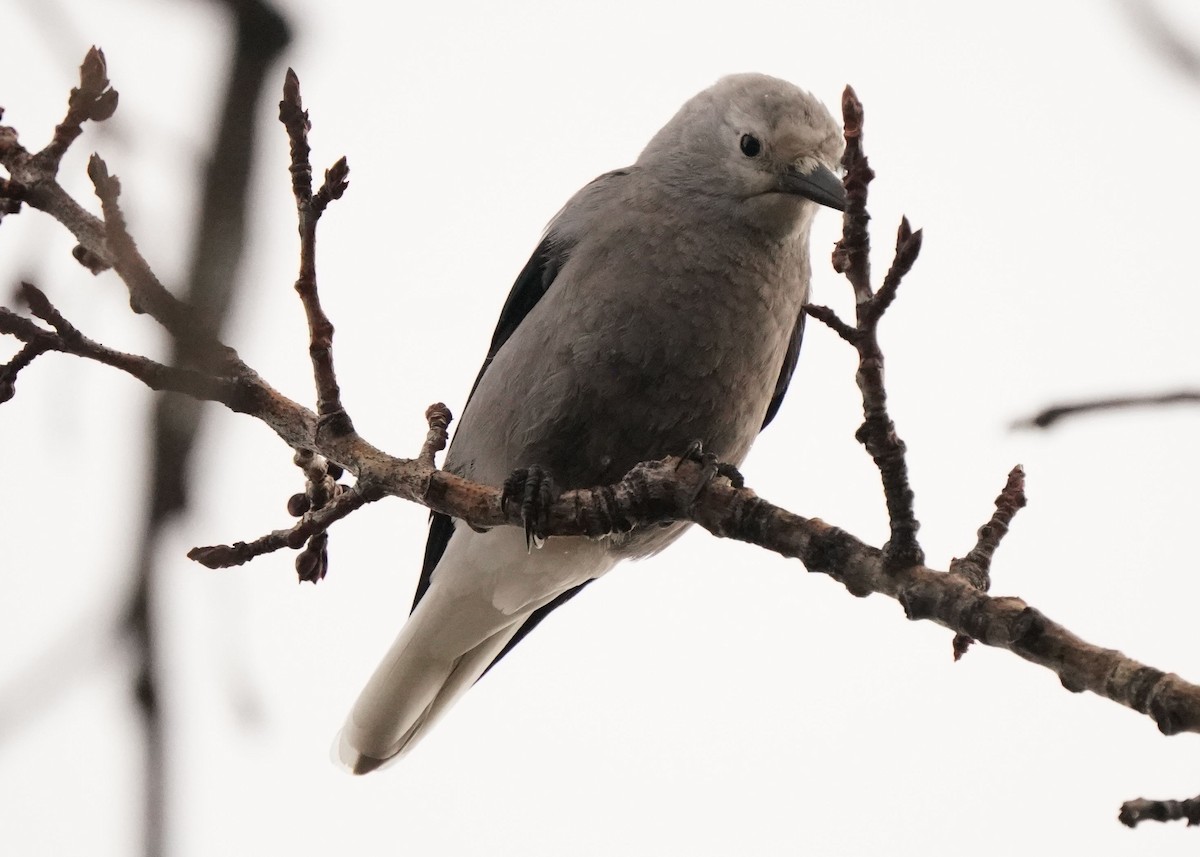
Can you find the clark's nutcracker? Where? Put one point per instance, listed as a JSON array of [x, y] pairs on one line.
[[663, 306]]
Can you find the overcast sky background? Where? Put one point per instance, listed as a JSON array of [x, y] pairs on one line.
[[717, 699]]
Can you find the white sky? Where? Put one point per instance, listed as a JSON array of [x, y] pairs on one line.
[[716, 700]]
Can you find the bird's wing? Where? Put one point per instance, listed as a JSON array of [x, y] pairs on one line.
[[531, 284], [785, 373]]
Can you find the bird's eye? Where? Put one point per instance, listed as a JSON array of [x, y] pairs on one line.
[[750, 146]]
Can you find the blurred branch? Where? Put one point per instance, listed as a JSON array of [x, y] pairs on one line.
[[1133, 812], [195, 322], [260, 35], [1051, 415], [1163, 38]]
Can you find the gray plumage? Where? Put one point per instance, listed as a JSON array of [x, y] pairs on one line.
[[663, 306]]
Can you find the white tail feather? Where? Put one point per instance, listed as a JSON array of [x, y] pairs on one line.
[[483, 590]]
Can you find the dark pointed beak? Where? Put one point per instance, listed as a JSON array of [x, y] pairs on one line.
[[820, 185]]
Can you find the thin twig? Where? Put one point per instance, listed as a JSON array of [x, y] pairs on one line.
[[830, 319], [228, 390], [852, 254], [852, 258], [29, 352], [33, 177], [332, 414], [323, 504], [908, 246], [93, 100], [313, 523], [975, 567], [147, 294]]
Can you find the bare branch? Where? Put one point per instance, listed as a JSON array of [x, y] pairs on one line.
[[830, 319], [335, 184], [94, 99], [908, 245], [67, 339], [852, 258], [146, 293], [333, 416], [975, 567], [8, 372], [312, 524], [33, 180], [852, 255]]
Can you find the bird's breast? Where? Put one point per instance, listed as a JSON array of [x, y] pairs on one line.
[[644, 343]]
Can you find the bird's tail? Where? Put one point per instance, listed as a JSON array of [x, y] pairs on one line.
[[405, 697], [483, 590]]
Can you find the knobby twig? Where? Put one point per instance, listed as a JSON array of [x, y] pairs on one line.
[[851, 257], [653, 492], [147, 294], [313, 562], [975, 567], [438, 417], [294, 117], [93, 100], [33, 176], [313, 523], [68, 340]]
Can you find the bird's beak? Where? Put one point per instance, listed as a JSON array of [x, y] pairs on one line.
[[819, 184]]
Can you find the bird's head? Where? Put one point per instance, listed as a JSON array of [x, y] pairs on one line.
[[757, 141]]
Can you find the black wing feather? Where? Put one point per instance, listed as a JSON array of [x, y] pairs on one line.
[[533, 281], [785, 374], [532, 622]]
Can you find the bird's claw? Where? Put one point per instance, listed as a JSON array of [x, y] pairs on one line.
[[735, 477], [534, 489], [712, 465]]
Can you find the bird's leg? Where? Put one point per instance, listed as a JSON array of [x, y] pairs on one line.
[[535, 489]]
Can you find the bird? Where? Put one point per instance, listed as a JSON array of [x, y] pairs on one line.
[[663, 306]]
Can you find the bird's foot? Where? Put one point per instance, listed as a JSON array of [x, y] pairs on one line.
[[712, 466], [535, 490]]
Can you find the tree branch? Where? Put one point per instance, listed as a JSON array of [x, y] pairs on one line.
[[33, 177], [309, 208], [851, 257], [652, 493]]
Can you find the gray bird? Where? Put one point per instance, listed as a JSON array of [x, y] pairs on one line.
[[662, 306]]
